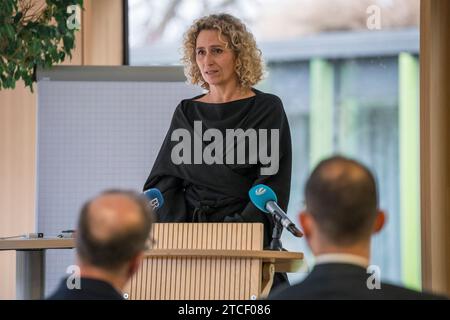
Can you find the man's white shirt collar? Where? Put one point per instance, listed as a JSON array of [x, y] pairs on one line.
[[342, 258]]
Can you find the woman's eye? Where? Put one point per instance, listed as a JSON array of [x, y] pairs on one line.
[[217, 50], [200, 52]]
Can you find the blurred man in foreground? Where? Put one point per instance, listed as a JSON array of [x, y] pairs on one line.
[[113, 231], [340, 217]]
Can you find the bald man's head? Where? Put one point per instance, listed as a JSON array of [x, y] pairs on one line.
[[113, 228], [341, 195]]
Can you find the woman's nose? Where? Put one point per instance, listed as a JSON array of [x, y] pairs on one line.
[[208, 58]]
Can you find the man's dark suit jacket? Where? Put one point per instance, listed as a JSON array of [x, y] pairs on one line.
[[91, 289], [344, 281]]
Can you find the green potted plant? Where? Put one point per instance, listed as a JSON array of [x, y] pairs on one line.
[[34, 34]]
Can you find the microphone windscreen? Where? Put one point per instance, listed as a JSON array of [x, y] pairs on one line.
[[260, 195], [155, 197]]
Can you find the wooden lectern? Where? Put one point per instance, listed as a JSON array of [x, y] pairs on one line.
[[206, 261]]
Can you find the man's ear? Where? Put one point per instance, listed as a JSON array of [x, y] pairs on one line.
[[305, 220], [135, 263], [379, 221]]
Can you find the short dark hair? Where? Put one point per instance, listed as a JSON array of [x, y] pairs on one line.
[[341, 195], [114, 252]]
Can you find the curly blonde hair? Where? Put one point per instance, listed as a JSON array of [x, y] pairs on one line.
[[249, 64]]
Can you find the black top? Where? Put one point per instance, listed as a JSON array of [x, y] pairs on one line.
[[344, 281], [219, 192], [91, 289]]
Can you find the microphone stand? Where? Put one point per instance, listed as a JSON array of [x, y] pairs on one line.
[[275, 244]]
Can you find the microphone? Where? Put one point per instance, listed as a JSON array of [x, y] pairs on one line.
[[155, 198], [265, 200]]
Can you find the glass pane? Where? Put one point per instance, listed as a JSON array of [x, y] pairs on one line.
[[367, 129]]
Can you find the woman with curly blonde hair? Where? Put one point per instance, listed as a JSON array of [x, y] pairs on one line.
[[236, 55], [205, 182]]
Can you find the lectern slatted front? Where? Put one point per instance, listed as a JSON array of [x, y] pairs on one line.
[[176, 267]]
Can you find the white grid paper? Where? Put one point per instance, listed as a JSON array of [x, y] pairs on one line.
[[92, 136]]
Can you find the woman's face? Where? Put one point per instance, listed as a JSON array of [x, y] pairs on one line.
[[215, 61]]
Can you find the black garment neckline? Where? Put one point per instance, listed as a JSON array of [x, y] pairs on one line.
[[221, 103]]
